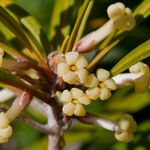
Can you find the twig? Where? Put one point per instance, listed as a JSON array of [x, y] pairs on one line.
[[99, 121]]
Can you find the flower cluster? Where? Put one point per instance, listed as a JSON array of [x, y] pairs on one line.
[[122, 17], [1, 56], [5, 128], [74, 102], [73, 70], [125, 129]]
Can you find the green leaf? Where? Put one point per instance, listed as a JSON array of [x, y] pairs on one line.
[[15, 27], [75, 30], [31, 26], [136, 55]]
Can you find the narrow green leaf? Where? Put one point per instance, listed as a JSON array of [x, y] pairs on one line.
[[15, 27], [84, 20], [77, 25], [136, 55], [31, 26]]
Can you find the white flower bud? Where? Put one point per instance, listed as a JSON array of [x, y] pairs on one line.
[[80, 110], [6, 132], [110, 84], [84, 100], [71, 57], [62, 69], [68, 109], [70, 77], [105, 93], [65, 97], [76, 93], [102, 74], [81, 62], [4, 121], [91, 81], [82, 75], [93, 93], [116, 10]]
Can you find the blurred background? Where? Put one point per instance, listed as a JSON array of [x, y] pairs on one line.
[[124, 100]]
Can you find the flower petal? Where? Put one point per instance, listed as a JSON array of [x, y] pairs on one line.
[[91, 81], [65, 97], [70, 77], [105, 94], [81, 62], [82, 75], [68, 109], [110, 84], [102, 74], [84, 100], [62, 69], [93, 93], [3, 140], [71, 57], [76, 93], [80, 110]]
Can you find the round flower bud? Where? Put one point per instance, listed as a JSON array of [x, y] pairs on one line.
[[65, 97], [68, 109], [93, 93], [4, 121], [110, 84], [71, 57], [6, 132], [116, 10], [105, 94], [80, 110], [102, 74]]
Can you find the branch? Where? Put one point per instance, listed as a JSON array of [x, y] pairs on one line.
[[98, 121]]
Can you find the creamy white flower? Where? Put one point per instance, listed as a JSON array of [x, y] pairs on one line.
[[103, 86], [73, 70], [74, 101], [121, 16], [142, 83], [125, 129]]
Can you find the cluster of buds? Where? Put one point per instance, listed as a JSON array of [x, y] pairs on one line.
[[125, 128], [73, 70], [1, 56], [5, 128]]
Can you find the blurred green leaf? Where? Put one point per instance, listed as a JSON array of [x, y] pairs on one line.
[[31, 26], [136, 55], [15, 27]]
